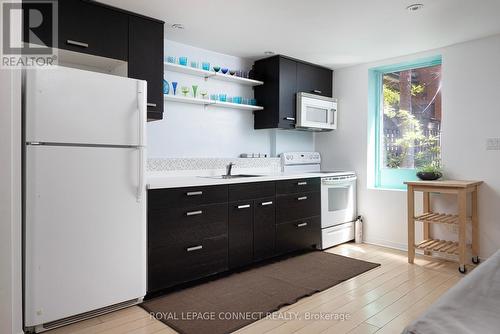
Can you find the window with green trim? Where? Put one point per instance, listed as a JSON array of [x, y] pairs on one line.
[[407, 120]]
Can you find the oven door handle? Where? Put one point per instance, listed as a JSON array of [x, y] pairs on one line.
[[339, 186]]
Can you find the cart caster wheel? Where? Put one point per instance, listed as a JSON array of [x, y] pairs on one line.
[[475, 259], [462, 269]]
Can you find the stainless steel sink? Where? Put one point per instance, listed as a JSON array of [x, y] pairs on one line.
[[235, 176]]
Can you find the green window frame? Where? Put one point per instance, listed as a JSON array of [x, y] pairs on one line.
[[387, 178]]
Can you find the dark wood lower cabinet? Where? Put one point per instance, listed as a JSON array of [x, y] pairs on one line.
[[240, 233], [264, 228], [183, 262], [195, 232], [299, 234]]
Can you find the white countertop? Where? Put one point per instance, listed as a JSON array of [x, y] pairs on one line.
[[159, 182]]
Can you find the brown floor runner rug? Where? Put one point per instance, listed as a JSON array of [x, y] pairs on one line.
[[229, 303]]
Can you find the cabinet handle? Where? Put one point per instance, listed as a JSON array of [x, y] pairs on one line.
[[302, 198], [151, 104], [83, 45], [245, 206], [304, 183], [302, 225], [289, 119], [194, 213], [266, 203], [194, 193], [195, 248], [317, 91]]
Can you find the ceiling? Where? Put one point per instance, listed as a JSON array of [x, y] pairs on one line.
[[333, 33]]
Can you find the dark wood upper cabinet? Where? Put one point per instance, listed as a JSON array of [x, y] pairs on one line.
[[145, 60], [314, 79], [283, 78], [86, 27]]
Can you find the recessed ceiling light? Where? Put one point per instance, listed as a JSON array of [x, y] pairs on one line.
[[177, 26], [268, 53], [415, 7]]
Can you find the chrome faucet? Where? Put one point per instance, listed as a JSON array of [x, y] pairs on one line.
[[229, 168]]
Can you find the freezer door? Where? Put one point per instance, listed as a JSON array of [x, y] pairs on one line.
[[85, 230], [67, 105]]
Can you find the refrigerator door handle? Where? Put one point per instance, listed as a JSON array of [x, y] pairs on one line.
[[140, 174], [141, 106]]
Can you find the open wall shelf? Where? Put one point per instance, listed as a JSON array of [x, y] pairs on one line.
[[210, 74], [206, 102]]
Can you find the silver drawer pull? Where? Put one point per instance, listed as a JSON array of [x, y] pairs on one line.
[[301, 224], [194, 193], [266, 203], [302, 198], [289, 118], [195, 248], [83, 45], [304, 183], [194, 213], [245, 206], [317, 91], [151, 104]]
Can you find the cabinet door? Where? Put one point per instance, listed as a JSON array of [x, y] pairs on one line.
[[89, 28], [287, 93], [145, 60], [240, 233], [264, 228], [297, 235], [314, 79]]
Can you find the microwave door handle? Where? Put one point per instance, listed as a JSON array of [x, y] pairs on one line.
[[333, 116]]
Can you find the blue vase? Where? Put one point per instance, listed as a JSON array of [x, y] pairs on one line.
[[166, 87]]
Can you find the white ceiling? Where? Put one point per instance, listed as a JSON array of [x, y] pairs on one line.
[[334, 33]]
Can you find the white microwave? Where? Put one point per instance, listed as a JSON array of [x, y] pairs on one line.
[[316, 112]]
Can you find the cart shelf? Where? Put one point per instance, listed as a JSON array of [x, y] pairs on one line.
[[439, 218]]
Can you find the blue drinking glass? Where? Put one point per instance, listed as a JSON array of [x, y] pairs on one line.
[[205, 66], [224, 70], [171, 59], [214, 97], [166, 87], [222, 97], [174, 87], [194, 64], [183, 61]]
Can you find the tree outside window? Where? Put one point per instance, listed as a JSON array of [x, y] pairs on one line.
[[411, 121]]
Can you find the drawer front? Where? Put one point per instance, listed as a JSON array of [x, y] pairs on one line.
[[297, 235], [298, 206], [298, 186], [180, 225], [159, 199], [89, 28], [240, 233], [174, 264], [264, 228], [335, 235], [244, 191]]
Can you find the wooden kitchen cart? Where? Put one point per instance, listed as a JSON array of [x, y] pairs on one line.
[[430, 245]]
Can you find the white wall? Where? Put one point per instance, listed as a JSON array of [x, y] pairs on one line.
[[10, 202], [195, 131], [471, 113]]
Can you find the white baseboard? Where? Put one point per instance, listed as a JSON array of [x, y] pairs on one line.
[[386, 243]]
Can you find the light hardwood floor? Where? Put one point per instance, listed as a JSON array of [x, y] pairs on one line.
[[382, 300]]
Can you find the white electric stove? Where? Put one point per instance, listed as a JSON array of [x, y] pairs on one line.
[[338, 196]]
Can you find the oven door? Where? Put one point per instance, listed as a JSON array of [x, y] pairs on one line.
[[316, 112], [338, 201]]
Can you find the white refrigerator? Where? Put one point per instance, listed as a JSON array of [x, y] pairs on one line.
[[84, 194]]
